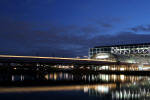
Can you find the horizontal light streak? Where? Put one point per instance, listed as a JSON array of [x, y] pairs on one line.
[[37, 57], [52, 88]]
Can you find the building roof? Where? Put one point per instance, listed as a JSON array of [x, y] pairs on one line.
[[117, 45]]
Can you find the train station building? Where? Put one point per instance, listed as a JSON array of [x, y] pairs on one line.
[[132, 53]]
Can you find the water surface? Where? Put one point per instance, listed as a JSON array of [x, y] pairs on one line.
[[67, 86]]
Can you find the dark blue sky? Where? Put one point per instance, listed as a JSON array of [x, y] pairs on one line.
[[68, 28]]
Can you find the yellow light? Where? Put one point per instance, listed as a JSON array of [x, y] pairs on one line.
[[55, 76], [53, 88], [113, 68], [37, 57], [15, 68]]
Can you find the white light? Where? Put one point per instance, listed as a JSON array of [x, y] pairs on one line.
[[104, 67], [86, 89], [122, 69], [122, 77], [102, 57], [113, 68], [103, 89], [146, 68]]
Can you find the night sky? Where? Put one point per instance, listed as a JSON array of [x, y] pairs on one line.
[[68, 28]]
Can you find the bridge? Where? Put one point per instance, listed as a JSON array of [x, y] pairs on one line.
[[11, 62], [54, 60]]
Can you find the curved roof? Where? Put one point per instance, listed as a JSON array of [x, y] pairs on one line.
[[128, 44]]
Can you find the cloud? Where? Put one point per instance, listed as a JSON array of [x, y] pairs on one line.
[[107, 22], [141, 28], [89, 29], [107, 25], [27, 38]]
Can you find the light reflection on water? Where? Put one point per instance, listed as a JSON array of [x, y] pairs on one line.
[[91, 77], [100, 77], [109, 86], [59, 76]]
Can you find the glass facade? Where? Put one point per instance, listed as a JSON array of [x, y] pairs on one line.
[[124, 51]]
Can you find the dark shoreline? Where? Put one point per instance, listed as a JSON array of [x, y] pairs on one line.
[[103, 72], [76, 71]]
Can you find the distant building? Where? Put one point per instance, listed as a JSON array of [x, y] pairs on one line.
[[133, 53]]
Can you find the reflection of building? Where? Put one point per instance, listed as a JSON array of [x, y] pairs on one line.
[[134, 53], [134, 90]]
